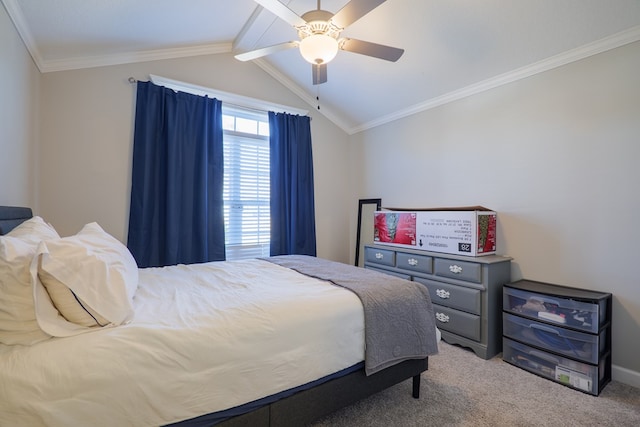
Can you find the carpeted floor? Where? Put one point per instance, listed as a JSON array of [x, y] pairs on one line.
[[461, 389]]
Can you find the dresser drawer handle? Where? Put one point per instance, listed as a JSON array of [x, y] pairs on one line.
[[442, 317], [455, 269], [442, 293], [379, 255], [412, 262]]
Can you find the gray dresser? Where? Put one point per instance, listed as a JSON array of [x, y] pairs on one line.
[[466, 291]]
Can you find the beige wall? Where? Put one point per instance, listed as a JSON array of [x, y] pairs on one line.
[[87, 132], [556, 155], [19, 81]]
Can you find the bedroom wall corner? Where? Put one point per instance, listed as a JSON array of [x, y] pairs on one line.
[[358, 189], [19, 87], [332, 189]]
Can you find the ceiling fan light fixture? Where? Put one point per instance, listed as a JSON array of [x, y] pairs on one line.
[[318, 48]]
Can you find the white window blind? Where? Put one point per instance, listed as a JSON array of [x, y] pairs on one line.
[[246, 182]]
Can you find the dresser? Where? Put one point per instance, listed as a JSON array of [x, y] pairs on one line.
[[466, 291], [559, 333]]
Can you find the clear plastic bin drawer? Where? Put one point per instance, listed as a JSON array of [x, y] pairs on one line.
[[581, 376], [577, 345], [553, 309]]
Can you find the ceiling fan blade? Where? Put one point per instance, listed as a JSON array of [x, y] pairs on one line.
[[380, 51], [319, 73], [282, 12], [258, 53], [353, 11]]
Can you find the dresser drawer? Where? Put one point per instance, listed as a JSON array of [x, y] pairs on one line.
[[461, 270], [380, 256], [457, 322], [412, 262], [581, 376], [453, 296], [392, 273], [554, 309], [578, 345]]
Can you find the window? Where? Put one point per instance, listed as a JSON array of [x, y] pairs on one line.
[[245, 123], [246, 182]]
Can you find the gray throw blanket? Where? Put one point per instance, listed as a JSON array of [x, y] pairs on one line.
[[398, 315]]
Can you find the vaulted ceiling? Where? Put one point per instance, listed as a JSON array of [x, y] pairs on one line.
[[453, 48]]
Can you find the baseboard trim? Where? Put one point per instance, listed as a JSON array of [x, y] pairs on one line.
[[626, 376]]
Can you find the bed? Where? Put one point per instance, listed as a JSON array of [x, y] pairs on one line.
[[278, 341]]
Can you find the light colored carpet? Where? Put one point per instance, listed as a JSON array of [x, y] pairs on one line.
[[461, 389]]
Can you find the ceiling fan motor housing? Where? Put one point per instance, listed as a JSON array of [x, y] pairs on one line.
[[318, 22]]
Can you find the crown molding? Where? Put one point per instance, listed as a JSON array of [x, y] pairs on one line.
[[608, 43], [51, 65], [131, 57], [617, 40], [16, 16]]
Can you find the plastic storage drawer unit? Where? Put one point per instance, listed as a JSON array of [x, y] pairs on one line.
[[558, 332], [581, 376], [578, 345]]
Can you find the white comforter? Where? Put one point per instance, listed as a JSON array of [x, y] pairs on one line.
[[205, 337]]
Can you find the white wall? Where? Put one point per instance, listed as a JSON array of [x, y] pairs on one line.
[[556, 155], [87, 135], [19, 79]]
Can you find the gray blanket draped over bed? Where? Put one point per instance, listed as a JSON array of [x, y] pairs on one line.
[[399, 318]]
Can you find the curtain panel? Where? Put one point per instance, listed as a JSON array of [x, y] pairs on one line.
[[293, 229], [176, 214]]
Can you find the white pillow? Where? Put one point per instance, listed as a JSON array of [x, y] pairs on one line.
[[100, 277], [33, 231], [18, 323], [68, 304]]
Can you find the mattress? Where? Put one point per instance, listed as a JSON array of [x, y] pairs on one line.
[[204, 338]]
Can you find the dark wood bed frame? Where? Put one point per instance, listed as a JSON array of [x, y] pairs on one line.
[[305, 406]]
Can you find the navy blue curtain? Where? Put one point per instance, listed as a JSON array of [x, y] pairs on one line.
[[176, 214], [293, 225]]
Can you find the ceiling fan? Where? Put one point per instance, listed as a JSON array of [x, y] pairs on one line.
[[319, 33]]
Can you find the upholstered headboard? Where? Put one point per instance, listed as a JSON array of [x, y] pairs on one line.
[[12, 216]]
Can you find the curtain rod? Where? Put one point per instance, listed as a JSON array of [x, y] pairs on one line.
[[226, 97]]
